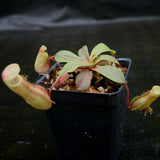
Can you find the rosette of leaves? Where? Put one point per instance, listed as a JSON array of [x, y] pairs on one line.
[[96, 61]]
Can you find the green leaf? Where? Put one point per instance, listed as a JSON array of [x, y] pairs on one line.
[[83, 53], [71, 66], [83, 79], [100, 48], [66, 56], [106, 58], [111, 73]]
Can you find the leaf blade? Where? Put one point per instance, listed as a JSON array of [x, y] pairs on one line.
[[66, 56], [100, 48], [111, 73], [83, 53], [71, 66], [106, 58], [83, 79]]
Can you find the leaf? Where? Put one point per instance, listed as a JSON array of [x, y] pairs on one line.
[[83, 79], [100, 48], [66, 56], [83, 53], [106, 58], [71, 66], [111, 73]]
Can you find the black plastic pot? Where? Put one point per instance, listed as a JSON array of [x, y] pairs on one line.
[[88, 126]]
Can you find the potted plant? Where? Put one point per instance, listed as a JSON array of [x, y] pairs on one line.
[[85, 99]]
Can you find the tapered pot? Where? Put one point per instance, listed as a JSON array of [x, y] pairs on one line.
[[88, 126]]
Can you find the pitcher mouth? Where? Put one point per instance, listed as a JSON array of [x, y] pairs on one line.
[[11, 76], [156, 91]]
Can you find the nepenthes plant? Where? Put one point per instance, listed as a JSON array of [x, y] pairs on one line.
[[82, 72]]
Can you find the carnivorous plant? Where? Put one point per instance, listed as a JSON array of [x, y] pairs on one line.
[[85, 65]]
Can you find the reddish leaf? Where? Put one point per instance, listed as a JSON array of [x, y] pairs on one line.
[[83, 79]]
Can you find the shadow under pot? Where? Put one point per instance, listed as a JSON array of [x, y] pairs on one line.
[[88, 126]]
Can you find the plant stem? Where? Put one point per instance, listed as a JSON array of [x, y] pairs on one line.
[[127, 89], [120, 66], [50, 58], [51, 88]]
